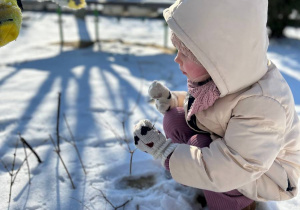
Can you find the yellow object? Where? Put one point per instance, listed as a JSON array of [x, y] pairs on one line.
[[10, 21], [74, 5]]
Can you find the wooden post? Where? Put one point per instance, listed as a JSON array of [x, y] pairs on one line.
[[166, 34], [96, 13], [60, 26]]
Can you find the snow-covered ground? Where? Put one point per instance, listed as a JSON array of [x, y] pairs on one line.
[[103, 88]]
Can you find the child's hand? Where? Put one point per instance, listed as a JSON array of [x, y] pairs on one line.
[[148, 139], [165, 100]]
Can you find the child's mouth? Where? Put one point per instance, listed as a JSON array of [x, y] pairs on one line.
[[183, 72]]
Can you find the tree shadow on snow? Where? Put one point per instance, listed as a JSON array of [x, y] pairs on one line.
[[106, 67]]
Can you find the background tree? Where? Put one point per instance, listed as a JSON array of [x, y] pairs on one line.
[[278, 15]]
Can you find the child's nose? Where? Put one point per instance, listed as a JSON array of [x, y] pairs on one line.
[[177, 58]]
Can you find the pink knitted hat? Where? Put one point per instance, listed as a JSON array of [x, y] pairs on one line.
[[183, 49]]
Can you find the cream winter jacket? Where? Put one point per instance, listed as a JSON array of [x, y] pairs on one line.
[[254, 126]]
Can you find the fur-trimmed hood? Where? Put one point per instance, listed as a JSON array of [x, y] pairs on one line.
[[228, 37]]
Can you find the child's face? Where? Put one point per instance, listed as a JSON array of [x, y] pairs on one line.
[[193, 71]]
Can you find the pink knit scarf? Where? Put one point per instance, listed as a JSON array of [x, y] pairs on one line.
[[205, 96]]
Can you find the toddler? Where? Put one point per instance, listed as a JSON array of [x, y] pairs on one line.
[[235, 134]]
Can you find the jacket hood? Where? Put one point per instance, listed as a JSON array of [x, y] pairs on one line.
[[228, 37]]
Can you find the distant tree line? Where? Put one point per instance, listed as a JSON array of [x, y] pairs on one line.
[[280, 15]]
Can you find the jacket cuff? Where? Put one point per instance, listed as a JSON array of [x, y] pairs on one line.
[[168, 151], [167, 162]]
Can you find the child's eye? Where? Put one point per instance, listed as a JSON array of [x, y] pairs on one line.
[[182, 54]]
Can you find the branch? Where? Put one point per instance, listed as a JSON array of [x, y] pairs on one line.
[[57, 122], [104, 196], [81, 203], [31, 149], [69, 129], [15, 155], [125, 136], [12, 172], [130, 164], [65, 139], [5, 166], [74, 144], [110, 203], [58, 153], [124, 204], [125, 139], [109, 127], [138, 98], [17, 172], [124, 132], [26, 157]]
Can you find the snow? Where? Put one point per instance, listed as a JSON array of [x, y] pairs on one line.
[[102, 87]]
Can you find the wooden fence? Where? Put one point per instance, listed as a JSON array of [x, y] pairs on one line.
[[120, 9]]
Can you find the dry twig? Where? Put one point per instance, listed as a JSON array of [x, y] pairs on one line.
[[57, 147], [31, 149], [26, 157], [109, 127], [124, 138], [5, 166], [110, 203], [12, 172], [73, 143], [131, 158], [57, 122], [81, 203], [58, 153]]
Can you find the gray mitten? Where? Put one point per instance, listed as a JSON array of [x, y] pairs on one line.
[[148, 139], [165, 100]]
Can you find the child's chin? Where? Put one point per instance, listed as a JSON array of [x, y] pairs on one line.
[[201, 78]]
